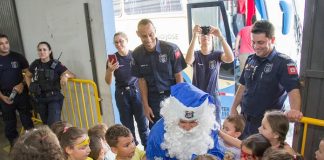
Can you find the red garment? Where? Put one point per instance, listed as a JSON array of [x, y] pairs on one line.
[[241, 6], [250, 12], [245, 42]]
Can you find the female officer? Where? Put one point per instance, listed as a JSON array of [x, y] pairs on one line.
[[127, 96], [44, 78]]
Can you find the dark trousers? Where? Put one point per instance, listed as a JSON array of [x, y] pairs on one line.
[[50, 108], [154, 100], [129, 105], [218, 108], [22, 105], [252, 124]]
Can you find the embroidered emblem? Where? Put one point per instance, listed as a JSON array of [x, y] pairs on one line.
[[268, 68], [163, 58], [177, 54], [212, 64], [292, 70], [189, 114], [14, 64]]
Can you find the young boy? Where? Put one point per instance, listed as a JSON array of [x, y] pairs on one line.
[[121, 141], [99, 131], [233, 126]]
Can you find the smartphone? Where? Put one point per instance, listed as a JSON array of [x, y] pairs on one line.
[[112, 58]]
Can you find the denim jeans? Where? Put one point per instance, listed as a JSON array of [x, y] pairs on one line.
[[50, 108], [129, 105]]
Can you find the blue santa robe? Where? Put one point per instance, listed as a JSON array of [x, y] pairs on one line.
[[156, 137]]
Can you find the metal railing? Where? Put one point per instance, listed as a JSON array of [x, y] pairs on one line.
[[81, 103], [307, 121]]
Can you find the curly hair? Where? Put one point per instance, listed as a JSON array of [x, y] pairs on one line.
[[37, 144], [114, 132]]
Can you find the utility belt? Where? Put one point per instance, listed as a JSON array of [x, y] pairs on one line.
[[49, 93], [126, 87], [252, 119]]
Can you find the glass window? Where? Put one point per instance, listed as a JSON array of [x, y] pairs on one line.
[[151, 6]]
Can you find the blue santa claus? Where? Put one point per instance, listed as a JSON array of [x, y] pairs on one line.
[[188, 126]]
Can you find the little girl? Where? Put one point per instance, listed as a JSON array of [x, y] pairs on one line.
[[274, 127], [75, 144], [253, 147]]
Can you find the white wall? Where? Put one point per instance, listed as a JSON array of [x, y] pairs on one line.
[[62, 23]]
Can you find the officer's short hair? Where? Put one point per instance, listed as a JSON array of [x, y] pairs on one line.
[[122, 34], [3, 36], [144, 22], [263, 26], [238, 122]]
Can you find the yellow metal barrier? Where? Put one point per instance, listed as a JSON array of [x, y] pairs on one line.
[[81, 105], [311, 121]]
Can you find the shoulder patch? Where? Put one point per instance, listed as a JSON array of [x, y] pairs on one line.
[[292, 69]]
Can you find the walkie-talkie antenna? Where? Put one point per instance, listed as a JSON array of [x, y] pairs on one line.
[[60, 56]]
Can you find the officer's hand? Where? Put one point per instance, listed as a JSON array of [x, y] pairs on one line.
[[64, 80], [148, 113], [19, 88], [112, 67], [215, 31], [6, 100], [294, 115], [233, 111]]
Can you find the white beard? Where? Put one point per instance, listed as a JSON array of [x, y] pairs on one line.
[[182, 144]]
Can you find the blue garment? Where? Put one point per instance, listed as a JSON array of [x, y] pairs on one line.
[[158, 69], [128, 98], [233, 152], [156, 137], [50, 101], [205, 75], [267, 82], [11, 67]]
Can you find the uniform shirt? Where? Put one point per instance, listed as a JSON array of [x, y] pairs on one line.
[[156, 137], [11, 67], [59, 69], [267, 81], [123, 75], [158, 68], [206, 71]]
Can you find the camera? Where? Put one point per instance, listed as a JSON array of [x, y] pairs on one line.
[[205, 30]]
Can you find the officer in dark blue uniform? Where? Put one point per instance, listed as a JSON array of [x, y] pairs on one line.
[[127, 97], [206, 61], [158, 65], [268, 77], [44, 78], [13, 94]]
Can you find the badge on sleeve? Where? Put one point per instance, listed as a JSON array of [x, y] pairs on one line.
[[292, 70], [177, 54]]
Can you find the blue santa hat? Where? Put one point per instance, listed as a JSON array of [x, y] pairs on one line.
[[189, 101]]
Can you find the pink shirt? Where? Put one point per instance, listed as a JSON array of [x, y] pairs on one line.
[[245, 42]]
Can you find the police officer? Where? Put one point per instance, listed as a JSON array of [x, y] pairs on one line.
[[267, 78], [44, 78], [206, 61], [127, 96], [158, 65], [13, 94]]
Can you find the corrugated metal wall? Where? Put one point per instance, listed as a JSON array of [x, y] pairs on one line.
[[9, 25]]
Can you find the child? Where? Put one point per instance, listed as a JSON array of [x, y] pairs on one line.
[[274, 127], [97, 150], [99, 131], [233, 126], [276, 154], [37, 144], [75, 144], [121, 141], [253, 147], [59, 126], [319, 154]]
